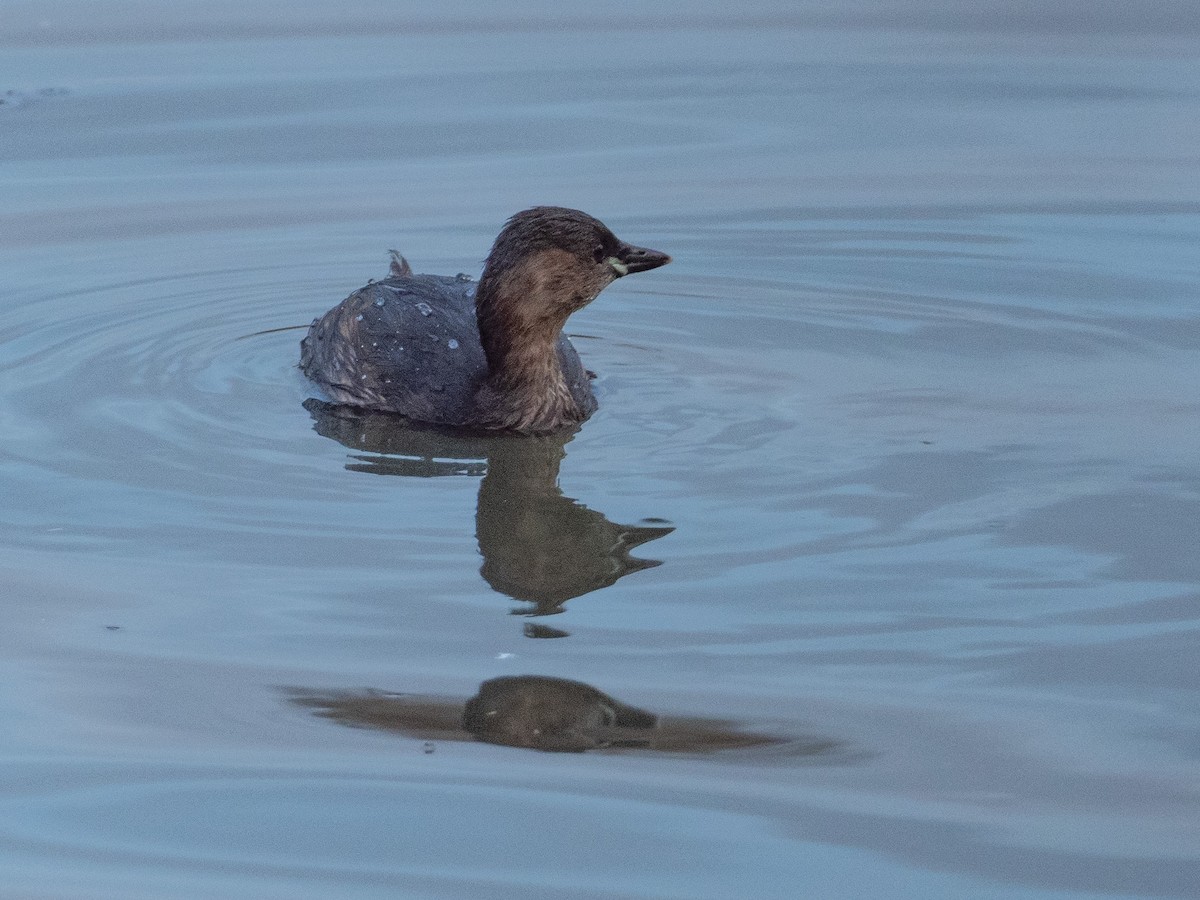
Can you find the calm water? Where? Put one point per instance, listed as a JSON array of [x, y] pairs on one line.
[[896, 466]]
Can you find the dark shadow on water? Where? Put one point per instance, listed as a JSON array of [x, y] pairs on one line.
[[552, 714], [537, 545]]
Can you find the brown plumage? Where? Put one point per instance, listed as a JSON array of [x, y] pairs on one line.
[[447, 351]]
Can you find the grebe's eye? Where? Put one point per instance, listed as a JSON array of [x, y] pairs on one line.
[[598, 254]]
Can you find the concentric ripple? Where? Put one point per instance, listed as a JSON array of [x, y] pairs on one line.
[[170, 364], [140, 407]]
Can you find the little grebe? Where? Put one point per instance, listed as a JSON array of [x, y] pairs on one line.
[[444, 350]]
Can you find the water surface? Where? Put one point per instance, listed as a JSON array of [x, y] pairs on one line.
[[895, 465]]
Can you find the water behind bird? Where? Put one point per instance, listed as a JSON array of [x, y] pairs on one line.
[[898, 456]]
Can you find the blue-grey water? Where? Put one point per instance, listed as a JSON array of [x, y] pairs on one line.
[[919, 397]]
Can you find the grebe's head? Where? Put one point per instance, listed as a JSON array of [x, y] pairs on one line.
[[553, 261]]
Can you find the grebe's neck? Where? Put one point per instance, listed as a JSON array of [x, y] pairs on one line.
[[521, 313]]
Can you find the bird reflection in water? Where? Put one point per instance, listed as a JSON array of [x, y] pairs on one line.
[[537, 545], [553, 714], [543, 713]]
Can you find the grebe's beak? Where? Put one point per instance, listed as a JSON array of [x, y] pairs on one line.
[[629, 259]]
